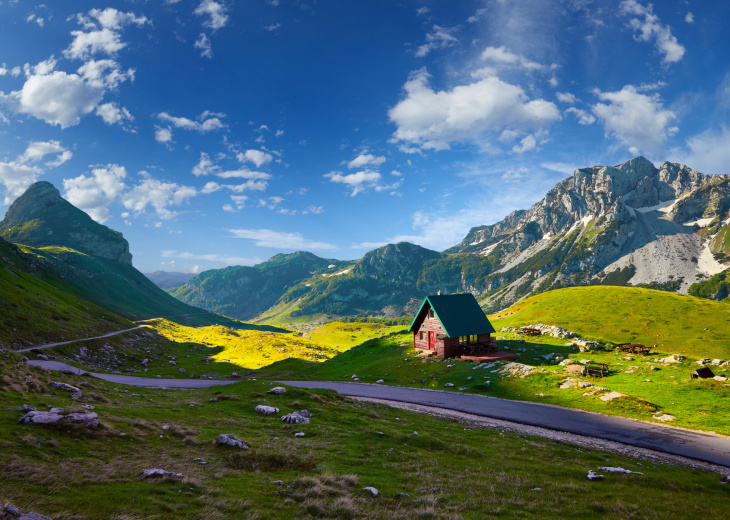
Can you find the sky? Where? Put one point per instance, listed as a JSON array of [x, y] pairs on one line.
[[222, 132]]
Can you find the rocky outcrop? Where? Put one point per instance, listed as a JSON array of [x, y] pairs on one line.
[[41, 217], [59, 415]]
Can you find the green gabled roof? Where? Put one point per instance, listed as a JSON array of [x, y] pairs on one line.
[[459, 314]]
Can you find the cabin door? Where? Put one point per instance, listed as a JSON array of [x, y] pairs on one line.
[[431, 340]]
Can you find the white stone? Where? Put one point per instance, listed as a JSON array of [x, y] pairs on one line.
[[611, 396], [228, 439], [610, 469], [372, 490], [157, 472], [277, 390], [295, 418], [380, 381], [592, 475]]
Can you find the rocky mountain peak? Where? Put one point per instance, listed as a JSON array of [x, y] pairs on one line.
[[395, 260], [41, 217]]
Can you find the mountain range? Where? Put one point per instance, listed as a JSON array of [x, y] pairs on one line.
[[630, 224]]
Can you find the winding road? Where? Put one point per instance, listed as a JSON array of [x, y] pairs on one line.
[[49, 345], [686, 443]]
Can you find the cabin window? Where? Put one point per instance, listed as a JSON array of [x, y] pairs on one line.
[[473, 338], [430, 313], [422, 335], [462, 340]]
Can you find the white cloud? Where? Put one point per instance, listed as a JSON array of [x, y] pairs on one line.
[[204, 46], [158, 194], [113, 114], [313, 210], [17, 175], [637, 120], [566, 97], [584, 118], [37, 19], [365, 160], [215, 13], [163, 135], [103, 34], [59, 98], [205, 123], [217, 258], [280, 240], [438, 38], [690, 18], [358, 182], [526, 144], [243, 173], [256, 157], [205, 166], [14, 72], [650, 28], [93, 194], [272, 27], [708, 152], [515, 174], [433, 120], [503, 56]]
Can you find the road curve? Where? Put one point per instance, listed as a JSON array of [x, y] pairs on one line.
[[695, 445], [134, 380]]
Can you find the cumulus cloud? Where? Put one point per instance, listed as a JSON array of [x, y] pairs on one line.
[[566, 97], [60, 98], [204, 46], [280, 240], [357, 182], [113, 114], [94, 193], [257, 157], [501, 55], [17, 175], [438, 38], [205, 166], [637, 120], [432, 120], [365, 160], [102, 33], [526, 144], [584, 118], [690, 18], [205, 123], [163, 135], [647, 27], [214, 14], [159, 195]]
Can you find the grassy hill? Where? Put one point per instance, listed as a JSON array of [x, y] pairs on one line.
[[674, 322], [423, 467], [38, 307]]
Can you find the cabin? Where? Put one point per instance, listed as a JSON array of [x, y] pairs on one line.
[[453, 325]]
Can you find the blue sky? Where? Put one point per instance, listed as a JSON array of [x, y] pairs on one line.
[[215, 133]]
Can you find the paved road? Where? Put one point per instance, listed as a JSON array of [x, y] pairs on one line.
[[657, 437], [49, 345], [134, 380]]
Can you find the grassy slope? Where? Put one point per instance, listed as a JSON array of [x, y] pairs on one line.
[[675, 322], [697, 404], [36, 310], [446, 471]]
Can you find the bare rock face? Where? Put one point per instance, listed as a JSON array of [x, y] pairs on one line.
[[157, 472], [228, 439], [277, 390], [57, 415]]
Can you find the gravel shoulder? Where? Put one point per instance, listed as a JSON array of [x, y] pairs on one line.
[[467, 419]]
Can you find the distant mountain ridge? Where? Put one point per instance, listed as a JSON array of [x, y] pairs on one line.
[[165, 279], [630, 224]]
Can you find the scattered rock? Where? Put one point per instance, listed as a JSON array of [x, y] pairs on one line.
[[277, 390], [592, 475], [26, 408], [720, 378], [157, 472], [725, 479], [536, 489], [280, 482], [517, 369], [228, 439], [304, 413], [64, 386], [372, 491], [144, 362], [266, 410], [165, 427], [181, 370], [354, 376], [674, 358], [380, 381], [295, 418], [200, 461], [34, 516], [449, 385], [611, 396], [609, 469], [211, 374], [299, 434], [56, 415], [664, 417], [12, 511], [705, 361]]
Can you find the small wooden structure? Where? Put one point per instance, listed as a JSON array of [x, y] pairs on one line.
[[596, 369], [527, 331], [703, 373], [634, 348], [453, 325]]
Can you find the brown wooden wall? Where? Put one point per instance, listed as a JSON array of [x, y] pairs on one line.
[[429, 324]]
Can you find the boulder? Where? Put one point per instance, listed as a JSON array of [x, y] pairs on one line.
[[304, 413], [705, 361], [611, 396], [64, 386], [34, 516], [295, 418], [56, 415], [299, 434], [610, 469], [592, 475], [12, 511], [157, 472], [266, 410], [228, 439], [373, 491], [277, 390]]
